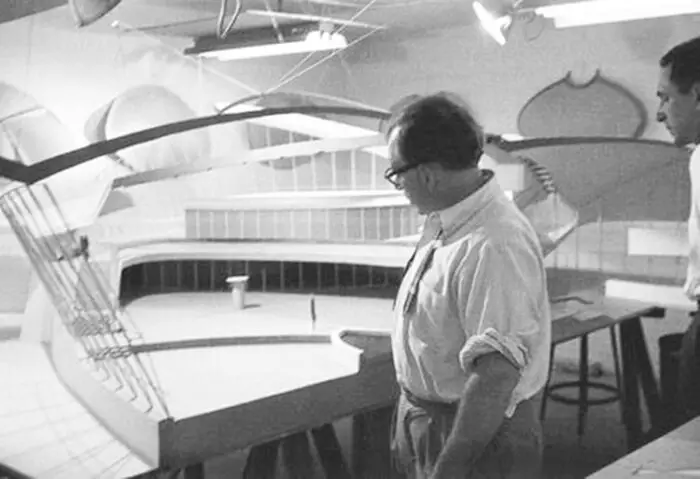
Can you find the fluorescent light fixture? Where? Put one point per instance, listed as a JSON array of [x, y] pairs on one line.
[[315, 41], [497, 16], [595, 12]]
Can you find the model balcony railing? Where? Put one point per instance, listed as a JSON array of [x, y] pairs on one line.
[[76, 283]]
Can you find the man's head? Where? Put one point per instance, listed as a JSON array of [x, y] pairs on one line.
[[435, 145], [679, 92]]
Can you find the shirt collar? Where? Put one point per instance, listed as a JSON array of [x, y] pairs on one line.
[[456, 215]]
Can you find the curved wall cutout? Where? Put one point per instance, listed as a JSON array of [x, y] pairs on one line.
[[140, 108], [598, 107], [28, 131]]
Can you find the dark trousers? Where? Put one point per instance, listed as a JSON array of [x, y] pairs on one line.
[[689, 370], [422, 427]]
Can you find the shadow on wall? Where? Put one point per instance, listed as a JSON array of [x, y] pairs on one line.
[[630, 180], [635, 184]]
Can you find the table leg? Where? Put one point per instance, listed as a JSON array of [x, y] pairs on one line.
[[262, 461], [631, 407], [329, 452], [193, 471], [297, 456], [637, 370], [371, 444], [583, 385], [650, 387]]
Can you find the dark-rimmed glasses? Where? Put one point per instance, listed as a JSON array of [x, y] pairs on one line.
[[392, 174]]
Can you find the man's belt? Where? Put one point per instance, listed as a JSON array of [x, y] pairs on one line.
[[429, 406]]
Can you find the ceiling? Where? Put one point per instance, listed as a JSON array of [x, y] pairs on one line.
[[193, 18], [176, 22], [16, 9]]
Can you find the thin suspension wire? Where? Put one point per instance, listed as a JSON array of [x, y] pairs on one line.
[[323, 60], [288, 78], [126, 28]]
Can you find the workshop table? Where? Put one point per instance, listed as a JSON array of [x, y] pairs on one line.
[[676, 454], [636, 365]]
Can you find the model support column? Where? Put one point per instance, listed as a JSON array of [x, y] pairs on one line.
[[238, 286]]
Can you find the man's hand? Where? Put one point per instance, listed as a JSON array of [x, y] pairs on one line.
[[480, 413]]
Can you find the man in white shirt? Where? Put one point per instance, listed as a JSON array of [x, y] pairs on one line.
[[473, 324], [679, 109]]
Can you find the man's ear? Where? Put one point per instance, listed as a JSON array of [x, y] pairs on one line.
[[430, 177]]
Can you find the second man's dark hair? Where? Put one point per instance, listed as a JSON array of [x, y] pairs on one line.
[[684, 61]]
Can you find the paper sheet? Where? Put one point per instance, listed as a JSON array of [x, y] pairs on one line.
[[582, 312]]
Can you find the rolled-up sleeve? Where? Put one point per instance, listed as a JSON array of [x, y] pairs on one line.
[[499, 291]]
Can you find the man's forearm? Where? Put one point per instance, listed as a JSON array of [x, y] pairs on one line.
[[480, 413]]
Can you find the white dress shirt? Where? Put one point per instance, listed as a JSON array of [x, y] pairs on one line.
[[483, 291], [692, 283]]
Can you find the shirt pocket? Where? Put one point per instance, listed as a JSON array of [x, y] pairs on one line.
[[432, 316], [431, 294]]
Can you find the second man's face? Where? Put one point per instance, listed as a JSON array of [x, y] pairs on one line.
[[679, 112]]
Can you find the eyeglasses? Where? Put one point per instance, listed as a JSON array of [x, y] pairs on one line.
[[392, 174]]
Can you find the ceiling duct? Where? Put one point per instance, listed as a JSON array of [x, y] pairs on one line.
[[497, 16]]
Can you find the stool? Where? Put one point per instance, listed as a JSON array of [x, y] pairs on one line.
[[583, 384], [238, 287]]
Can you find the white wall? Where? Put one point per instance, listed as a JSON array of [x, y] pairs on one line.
[[498, 81]]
